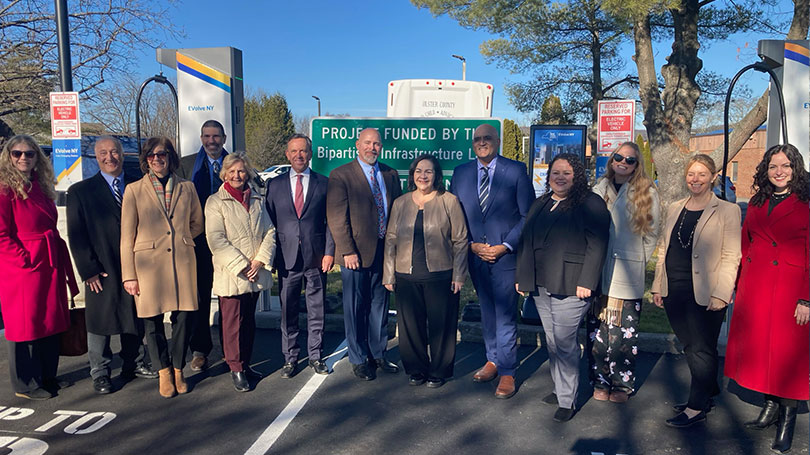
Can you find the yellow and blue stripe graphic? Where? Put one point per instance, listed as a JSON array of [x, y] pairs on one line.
[[204, 73], [797, 53]]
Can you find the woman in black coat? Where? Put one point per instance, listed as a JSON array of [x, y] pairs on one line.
[[559, 261]]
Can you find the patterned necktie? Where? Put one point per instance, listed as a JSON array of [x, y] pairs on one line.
[[483, 189], [299, 196], [116, 187], [216, 182], [378, 200]]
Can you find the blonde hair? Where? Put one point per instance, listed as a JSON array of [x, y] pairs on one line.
[[231, 159], [705, 160], [641, 203], [17, 182]]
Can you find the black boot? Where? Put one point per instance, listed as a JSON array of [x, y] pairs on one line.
[[784, 429], [767, 416], [240, 382]]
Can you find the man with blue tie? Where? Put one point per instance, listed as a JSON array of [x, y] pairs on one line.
[[203, 168], [359, 196], [94, 235], [305, 251], [495, 193]]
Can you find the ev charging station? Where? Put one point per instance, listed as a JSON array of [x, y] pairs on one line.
[[209, 87]]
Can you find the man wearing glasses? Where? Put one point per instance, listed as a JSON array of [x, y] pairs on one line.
[[495, 193]]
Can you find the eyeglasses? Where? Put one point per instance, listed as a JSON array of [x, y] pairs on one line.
[[478, 139], [30, 154], [161, 155], [631, 160]]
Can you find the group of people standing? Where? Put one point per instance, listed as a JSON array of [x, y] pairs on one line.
[[159, 245]]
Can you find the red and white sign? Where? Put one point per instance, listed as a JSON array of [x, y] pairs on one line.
[[617, 120], [65, 115]]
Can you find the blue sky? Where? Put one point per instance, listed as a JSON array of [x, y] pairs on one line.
[[345, 52]]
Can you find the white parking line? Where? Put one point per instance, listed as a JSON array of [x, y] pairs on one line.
[[277, 427]]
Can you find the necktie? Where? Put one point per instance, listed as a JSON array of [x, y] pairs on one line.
[[378, 200], [116, 187], [483, 189], [299, 196], [216, 182]]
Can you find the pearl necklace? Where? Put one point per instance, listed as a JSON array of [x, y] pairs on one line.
[[680, 228]]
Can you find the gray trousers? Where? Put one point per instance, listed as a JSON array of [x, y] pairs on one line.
[[100, 354], [561, 316]]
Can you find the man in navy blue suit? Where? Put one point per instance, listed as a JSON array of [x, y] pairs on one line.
[[495, 193], [296, 202]]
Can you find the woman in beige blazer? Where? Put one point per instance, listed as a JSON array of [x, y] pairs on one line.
[[694, 280], [160, 216], [242, 241]]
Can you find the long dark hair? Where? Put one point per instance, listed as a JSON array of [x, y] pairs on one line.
[[799, 182], [438, 177], [172, 160], [580, 187]]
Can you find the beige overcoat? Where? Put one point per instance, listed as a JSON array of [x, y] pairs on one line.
[[235, 237], [157, 248]]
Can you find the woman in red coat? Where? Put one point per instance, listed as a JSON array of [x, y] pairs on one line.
[[35, 266], [768, 342]]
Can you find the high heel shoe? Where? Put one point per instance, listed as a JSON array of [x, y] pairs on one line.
[[784, 429], [767, 416]]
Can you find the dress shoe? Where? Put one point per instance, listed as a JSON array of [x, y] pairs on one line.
[[435, 383], [141, 371], [166, 384], [682, 420], [619, 396], [486, 373], [551, 399], [681, 406], [288, 370], [37, 394], [600, 394], [506, 387], [319, 366], [416, 379], [253, 374], [363, 372], [102, 385], [767, 416], [199, 363], [54, 385], [785, 425], [240, 382], [388, 367], [563, 414], [180, 381]]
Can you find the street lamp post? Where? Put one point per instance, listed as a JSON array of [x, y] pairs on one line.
[[463, 66], [319, 104], [63, 44]]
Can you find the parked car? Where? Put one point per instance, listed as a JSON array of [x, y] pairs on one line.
[[731, 190], [274, 171]]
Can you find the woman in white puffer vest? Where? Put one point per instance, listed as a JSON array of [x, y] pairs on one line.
[[242, 241]]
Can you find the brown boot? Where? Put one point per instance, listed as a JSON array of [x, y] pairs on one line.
[[167, 389], [180, 381]]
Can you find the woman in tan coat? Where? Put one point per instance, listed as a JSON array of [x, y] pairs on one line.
[[242, 241], [694, 279], [160, 216]]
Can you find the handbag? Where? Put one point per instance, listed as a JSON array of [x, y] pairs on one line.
[[73, 341]]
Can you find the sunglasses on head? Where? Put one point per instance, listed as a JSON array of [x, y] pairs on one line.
[[486, 138], [28, 153], [631, 160], [150, 155]]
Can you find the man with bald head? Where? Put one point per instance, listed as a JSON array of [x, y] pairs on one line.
[[94, 235], [495, 193], [358, 199]]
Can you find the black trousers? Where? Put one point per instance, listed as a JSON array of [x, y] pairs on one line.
[[238, 315], [200, 330], [427, 318], [30, 363], [158, 346], [697, 329]]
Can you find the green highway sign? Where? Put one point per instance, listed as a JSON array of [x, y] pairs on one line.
[[403, 139]]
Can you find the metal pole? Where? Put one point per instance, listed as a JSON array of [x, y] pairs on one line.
[[463, 66], [319, 104], [63, 42]]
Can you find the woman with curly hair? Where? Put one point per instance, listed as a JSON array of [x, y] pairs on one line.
[[632, 200], [694, 280], [767, 344], [559, 260], [35, 264]]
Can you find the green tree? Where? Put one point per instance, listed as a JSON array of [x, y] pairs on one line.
[[552, 112], [512, 141], [268, 125]]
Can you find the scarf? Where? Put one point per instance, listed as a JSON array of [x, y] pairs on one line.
[[242, 196], [164, 194], [608, 310]]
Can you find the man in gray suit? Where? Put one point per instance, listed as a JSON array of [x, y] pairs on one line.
[[296, 202]]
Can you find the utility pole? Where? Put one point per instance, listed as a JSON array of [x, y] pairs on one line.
[[63, 42]]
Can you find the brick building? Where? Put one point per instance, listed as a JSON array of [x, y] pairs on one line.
[[741, 169]]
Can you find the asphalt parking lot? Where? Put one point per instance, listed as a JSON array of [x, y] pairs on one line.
[[339, 414]]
